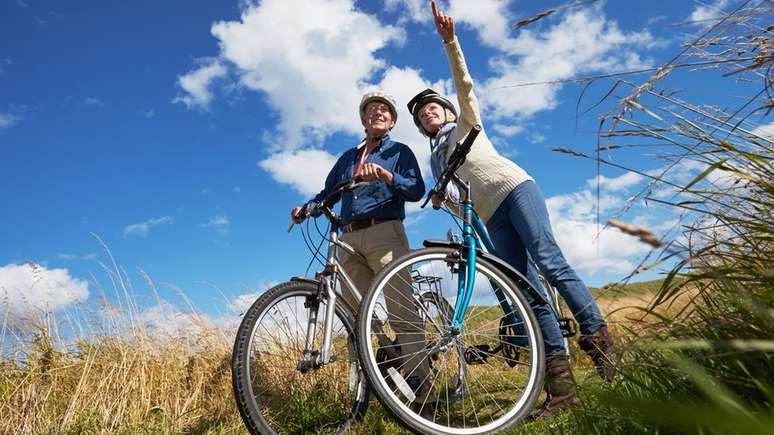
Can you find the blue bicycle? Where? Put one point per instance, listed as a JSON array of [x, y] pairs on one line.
[[488, 325]]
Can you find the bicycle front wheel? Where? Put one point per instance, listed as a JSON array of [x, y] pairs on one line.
[[276, 389], [482, 378]]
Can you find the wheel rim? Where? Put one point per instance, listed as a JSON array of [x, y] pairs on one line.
[[286, 398], [486, 403]]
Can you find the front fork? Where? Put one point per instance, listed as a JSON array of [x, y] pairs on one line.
[[313, 359], [465, 281]]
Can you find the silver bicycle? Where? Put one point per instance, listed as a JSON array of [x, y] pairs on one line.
[[295, 367]]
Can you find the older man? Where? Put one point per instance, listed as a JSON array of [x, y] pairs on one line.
[[372, 218]]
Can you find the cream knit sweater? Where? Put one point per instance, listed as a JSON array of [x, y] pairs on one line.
[[491, 176]]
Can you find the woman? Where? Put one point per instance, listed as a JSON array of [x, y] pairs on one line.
[[514, 210]]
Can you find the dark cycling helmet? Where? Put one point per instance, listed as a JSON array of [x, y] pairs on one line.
[[424, 97]]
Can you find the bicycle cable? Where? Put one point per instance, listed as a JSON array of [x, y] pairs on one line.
[[323, 235], [456, 219], [315, 252]]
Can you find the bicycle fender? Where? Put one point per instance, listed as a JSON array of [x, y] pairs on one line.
[[305, 279], [499, 263]]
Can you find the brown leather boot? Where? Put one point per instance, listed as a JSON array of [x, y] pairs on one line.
[[600, 347], [559, 387]]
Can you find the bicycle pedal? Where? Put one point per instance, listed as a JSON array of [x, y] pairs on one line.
[[477, 354], [568, 327]]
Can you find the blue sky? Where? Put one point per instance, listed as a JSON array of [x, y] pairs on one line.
[[181, 133]]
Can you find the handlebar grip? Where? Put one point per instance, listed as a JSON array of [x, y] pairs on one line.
[[470, 138]]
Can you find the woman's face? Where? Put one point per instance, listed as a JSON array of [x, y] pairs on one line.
[[432, 116]]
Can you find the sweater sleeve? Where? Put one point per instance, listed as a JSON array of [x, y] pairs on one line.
[[469, 109]]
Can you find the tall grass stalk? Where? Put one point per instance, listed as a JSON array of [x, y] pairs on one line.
[[707, 366]]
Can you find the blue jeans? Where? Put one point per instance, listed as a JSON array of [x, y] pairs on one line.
[[521, 233]]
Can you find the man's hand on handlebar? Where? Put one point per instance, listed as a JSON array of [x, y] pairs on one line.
[[299, 214], [313, 209], [295, 215]]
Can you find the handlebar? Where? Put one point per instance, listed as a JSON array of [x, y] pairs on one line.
[[455, 161], [315, 209]]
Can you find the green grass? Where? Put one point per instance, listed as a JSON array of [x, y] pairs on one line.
[[640, 288]]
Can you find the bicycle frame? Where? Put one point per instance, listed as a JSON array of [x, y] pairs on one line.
[[331, 274], [474, 234]]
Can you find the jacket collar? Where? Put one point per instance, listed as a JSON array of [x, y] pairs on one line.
[[384, 140]]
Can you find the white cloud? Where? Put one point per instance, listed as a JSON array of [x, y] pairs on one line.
[[490, 18], [238, 306], [196, 85], [583, 41], [654, 20], [616, 184], [143, 228], [765, 131], [243, 302], [305, 170], [573, 218], [219, 223], [165, 319], [508, 130], [312, 68], [415, 10], [90, 256], [31, 289], [309, 66], [705, 12], [8, 120], [537, 137], [149, 113]]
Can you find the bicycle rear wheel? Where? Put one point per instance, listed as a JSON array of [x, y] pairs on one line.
[[273, 395], [498, 378]]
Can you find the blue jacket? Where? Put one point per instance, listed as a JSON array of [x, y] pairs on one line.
[[377, 200]]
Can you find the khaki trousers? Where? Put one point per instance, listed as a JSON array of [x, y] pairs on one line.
[[380, 244]]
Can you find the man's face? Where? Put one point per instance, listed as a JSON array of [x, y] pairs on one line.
[[432, 116], [377, 119]]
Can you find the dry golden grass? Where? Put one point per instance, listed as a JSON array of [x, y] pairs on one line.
[[138, 380], [108, 384]]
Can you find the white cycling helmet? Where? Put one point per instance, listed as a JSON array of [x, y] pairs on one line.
[[382, 97]]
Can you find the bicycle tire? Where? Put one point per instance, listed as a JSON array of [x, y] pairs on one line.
[[490, 385], [256, 369]]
